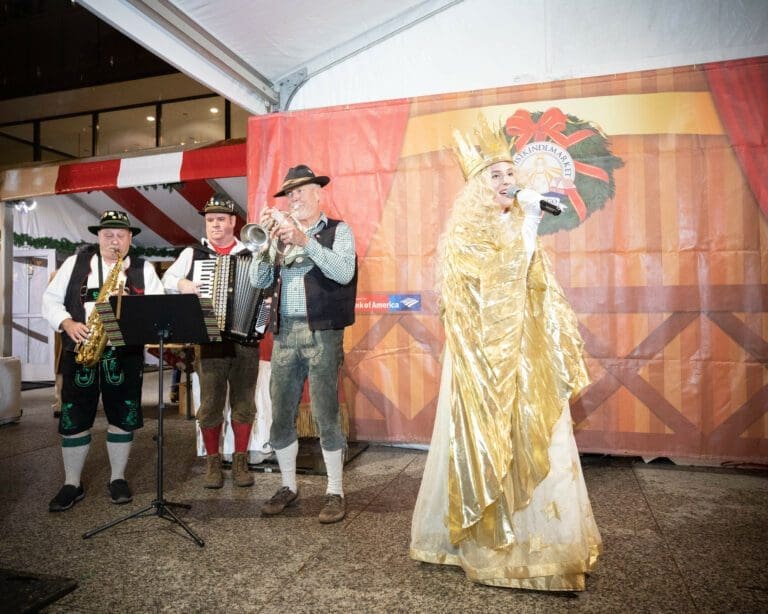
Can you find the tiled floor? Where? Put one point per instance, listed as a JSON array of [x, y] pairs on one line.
[[675, 539]]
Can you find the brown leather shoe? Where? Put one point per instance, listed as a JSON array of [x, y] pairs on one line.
[[334, 509], [214, 477], [240, 474], [279, 501]]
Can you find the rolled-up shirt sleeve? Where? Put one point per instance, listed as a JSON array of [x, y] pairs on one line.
[[261, 273], [178, 270], [53, 298]]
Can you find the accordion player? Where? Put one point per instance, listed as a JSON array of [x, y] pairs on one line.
[[241, 310]]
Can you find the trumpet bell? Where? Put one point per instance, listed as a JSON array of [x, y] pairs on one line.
[[254, 237]]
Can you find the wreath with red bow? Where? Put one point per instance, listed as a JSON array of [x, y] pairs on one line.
[[593, 183]]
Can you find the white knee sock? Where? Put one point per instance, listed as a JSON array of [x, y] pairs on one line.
[[118, 448], [74, 449], [286, 458], [334, 465]]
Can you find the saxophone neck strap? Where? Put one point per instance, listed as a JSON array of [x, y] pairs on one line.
[[101, 269]]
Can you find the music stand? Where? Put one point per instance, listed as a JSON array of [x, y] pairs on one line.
[[159, 318]]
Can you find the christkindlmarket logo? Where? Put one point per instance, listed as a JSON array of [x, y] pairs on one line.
[[561, 155]]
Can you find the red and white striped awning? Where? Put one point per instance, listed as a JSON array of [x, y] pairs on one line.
[[70, 195]]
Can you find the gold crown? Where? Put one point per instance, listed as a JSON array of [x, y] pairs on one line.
[[488, 146]]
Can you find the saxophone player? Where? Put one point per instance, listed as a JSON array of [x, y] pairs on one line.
[[117, 373]]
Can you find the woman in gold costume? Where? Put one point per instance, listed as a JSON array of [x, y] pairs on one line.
[[503, 495]]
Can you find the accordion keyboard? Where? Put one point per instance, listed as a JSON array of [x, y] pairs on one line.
[[203, 273], [213, 275]]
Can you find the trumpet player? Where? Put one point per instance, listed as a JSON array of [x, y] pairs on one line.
[[221, 366], [312, 302], [116, 377]]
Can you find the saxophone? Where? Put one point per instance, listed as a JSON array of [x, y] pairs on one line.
[[89, 352]]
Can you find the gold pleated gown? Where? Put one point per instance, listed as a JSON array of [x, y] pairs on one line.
[[503, 495]]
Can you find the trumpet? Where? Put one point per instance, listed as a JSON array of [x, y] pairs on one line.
[[257, 237], [254, 237]]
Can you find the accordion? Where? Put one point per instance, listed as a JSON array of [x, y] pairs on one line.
[[241, 310]]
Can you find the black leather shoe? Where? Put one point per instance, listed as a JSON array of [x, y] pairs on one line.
[[66, 498], [120, 492]]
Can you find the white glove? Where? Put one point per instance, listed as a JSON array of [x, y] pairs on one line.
[[529, 201]]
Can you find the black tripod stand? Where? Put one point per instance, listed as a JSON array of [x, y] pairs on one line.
[[152, 317]]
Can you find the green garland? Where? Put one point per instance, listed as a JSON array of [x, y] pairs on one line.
[[595, 151], [66, 247], [170, 187]]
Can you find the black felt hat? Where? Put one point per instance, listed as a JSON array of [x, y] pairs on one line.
[[298, 176], [219, 203], [114, 219]]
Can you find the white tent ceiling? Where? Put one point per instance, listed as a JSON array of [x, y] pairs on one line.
[[267, 55], [256, 52]]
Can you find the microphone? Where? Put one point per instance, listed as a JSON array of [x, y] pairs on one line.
[[550, 204]]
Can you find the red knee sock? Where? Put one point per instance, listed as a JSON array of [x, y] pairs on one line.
[[242, 433], [211, 436]]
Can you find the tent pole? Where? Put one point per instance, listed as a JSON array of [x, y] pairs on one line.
[[6, 278]]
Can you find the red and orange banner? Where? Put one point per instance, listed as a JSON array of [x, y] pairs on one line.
[[663, 251]]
